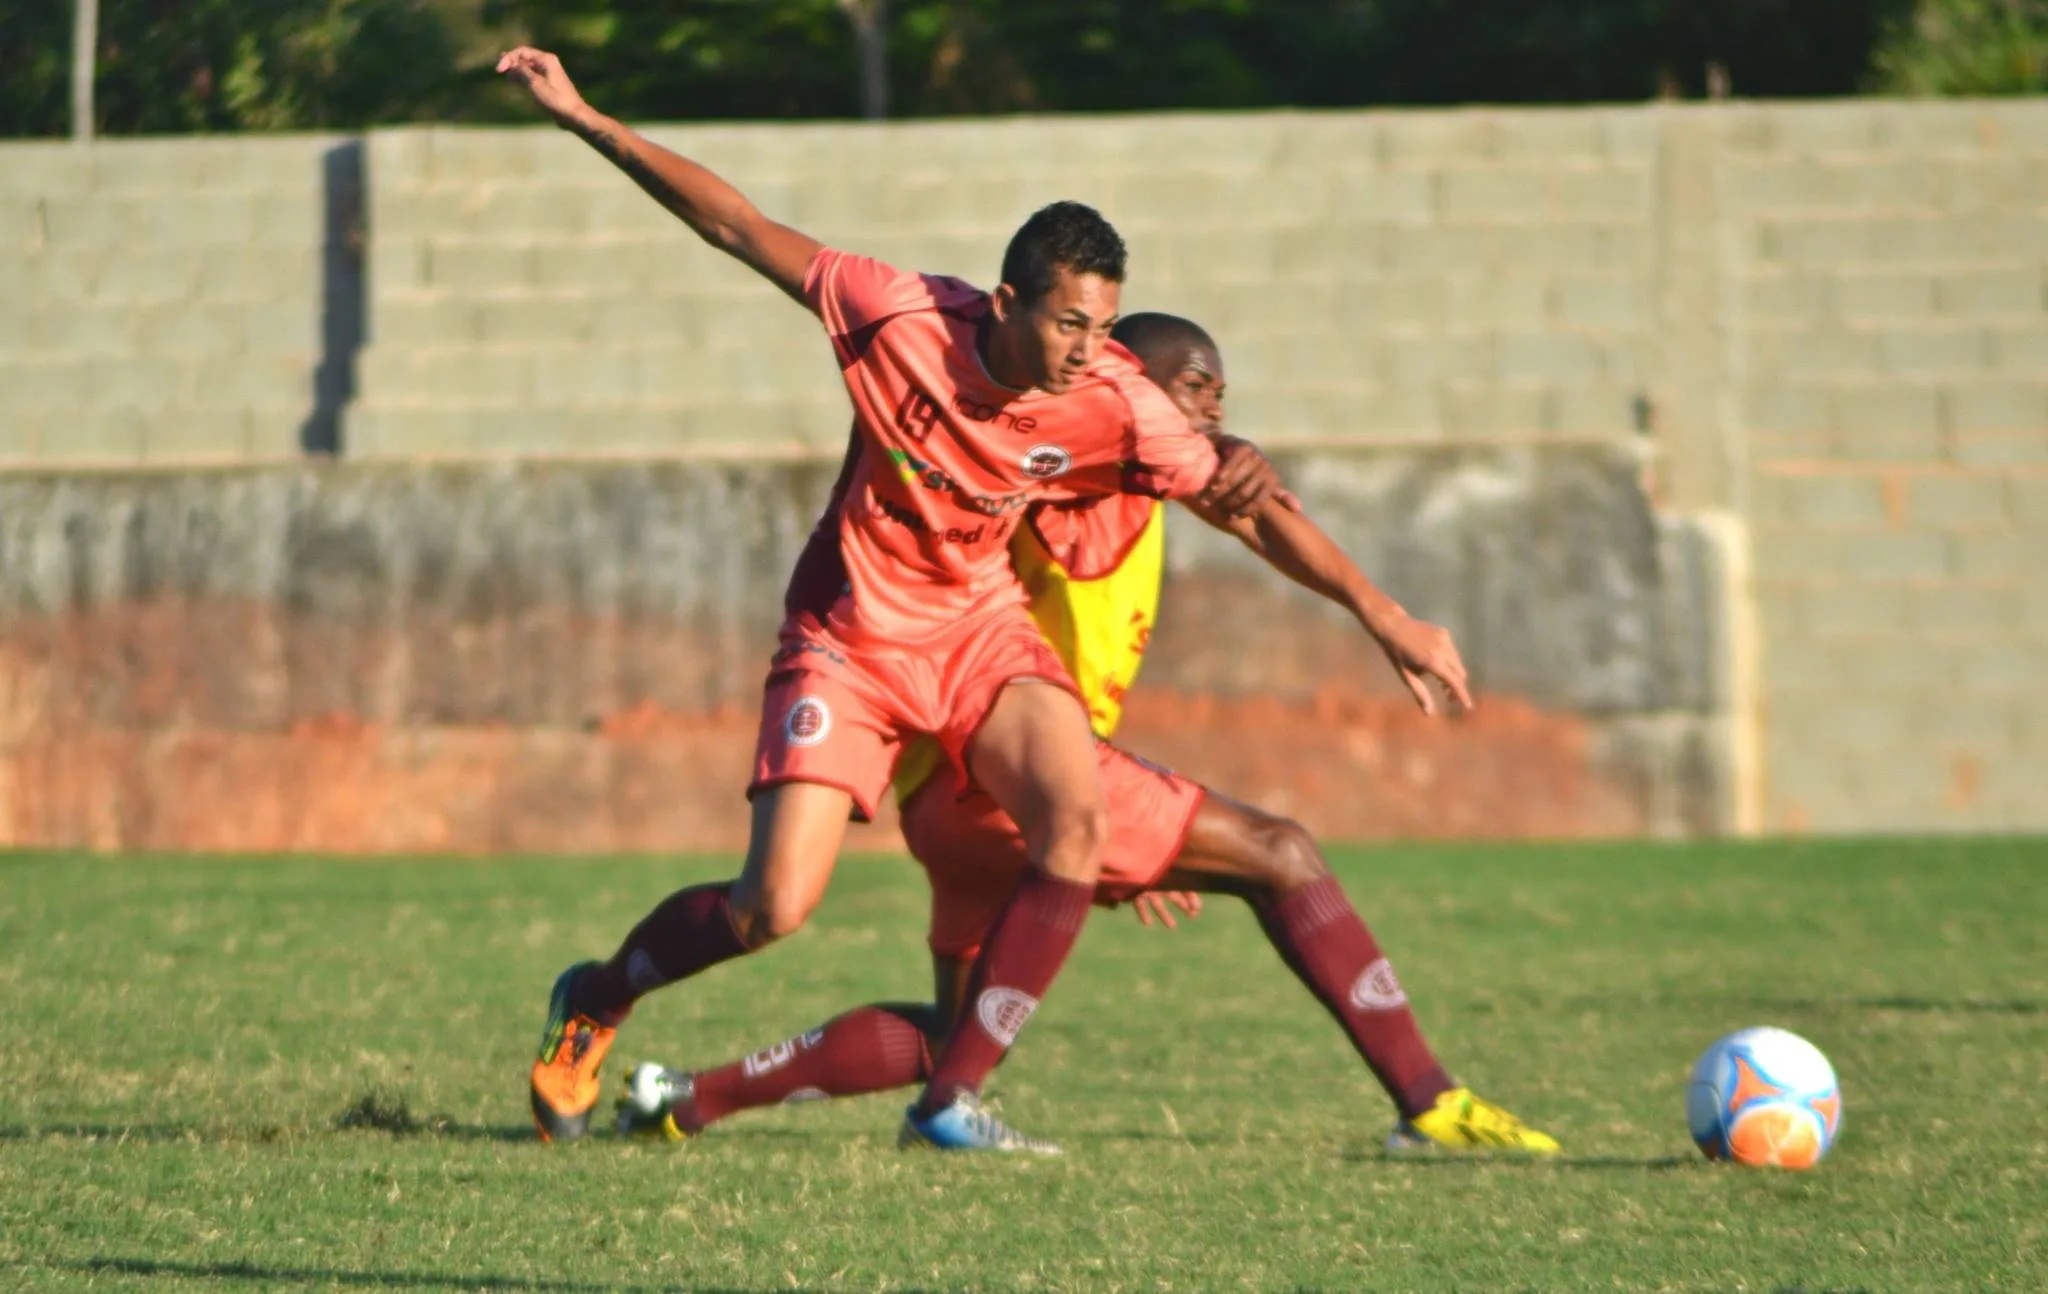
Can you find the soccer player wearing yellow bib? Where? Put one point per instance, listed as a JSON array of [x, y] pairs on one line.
[[1092, 569]]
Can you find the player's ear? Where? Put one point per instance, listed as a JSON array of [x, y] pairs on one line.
[[1003, 303]]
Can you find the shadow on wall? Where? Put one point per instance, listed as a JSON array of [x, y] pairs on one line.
[[342, 307]]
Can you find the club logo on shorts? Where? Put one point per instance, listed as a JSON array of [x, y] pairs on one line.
[[1377, 989], [809, 722], [1003, 1011], [1046, 461]]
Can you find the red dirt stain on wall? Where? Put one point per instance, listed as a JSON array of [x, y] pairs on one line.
[[645, 780]]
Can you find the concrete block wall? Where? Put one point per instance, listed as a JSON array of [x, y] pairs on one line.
[[1411, 277], [1887, 271], [1823, 328], [170, 301]]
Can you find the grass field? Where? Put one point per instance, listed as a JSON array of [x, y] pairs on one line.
[[192, 1047]]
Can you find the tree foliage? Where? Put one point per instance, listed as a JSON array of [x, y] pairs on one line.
[[193, 65], [201, 65], [1966, 47]]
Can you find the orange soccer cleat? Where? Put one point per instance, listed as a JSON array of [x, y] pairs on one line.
[[572, 1050]]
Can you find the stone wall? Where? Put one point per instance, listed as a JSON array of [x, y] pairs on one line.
[[177, 301], [1821, 329]]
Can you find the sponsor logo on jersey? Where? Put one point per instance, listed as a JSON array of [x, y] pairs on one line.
[[920, 473], [1046, 461], [808, 722], [917, 413], [909, 520], [1376, 988], [1003, 1011], [791, 651]]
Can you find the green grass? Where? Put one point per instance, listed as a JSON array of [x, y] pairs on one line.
[[185, 1040]]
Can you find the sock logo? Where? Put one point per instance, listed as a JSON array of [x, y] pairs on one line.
[[774, 1058], [642, 975], [1003, 1011], [809, 722], [1376, 989]]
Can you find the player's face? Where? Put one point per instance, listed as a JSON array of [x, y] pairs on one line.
[[1195, 382], [1054, 339]]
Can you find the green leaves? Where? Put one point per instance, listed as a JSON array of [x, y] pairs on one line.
[[1966, 47], [344, 64]]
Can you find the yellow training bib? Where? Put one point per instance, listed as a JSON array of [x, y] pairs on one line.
[[1100, 627]]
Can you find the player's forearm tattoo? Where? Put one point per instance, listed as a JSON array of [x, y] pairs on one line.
[[616, 151]]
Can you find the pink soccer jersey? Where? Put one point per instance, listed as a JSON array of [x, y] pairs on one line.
[[951, 458]]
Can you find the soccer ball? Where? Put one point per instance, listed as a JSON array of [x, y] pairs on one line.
[[1766, 1098]]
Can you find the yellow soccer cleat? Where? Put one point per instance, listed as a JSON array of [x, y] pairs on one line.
[[564, 1083], [1461, 1121]]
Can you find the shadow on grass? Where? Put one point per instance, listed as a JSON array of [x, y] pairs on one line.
[[1650, 1163], [389, 1112], [1930, 1006], [258, 1274], [226, 1135]]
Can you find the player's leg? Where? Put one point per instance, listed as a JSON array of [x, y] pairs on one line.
[[1277, 868], [803, 790], [794, 841], [879, 1047], [1035, 756], [873, 1048], [972, 856]]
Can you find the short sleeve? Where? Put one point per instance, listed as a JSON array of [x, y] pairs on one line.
[[849, 292], [1166, 458]]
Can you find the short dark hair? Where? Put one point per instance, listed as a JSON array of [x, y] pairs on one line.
[[1150, 335], [1066, 234]]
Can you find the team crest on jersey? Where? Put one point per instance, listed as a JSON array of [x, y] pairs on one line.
[[1376, 988], [1046, 461], [808, 722]]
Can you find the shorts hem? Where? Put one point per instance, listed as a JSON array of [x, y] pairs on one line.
[[863, 806], [1125, 891]]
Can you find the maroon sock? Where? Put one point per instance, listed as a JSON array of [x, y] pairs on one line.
[[1025, 947], [691, 930], [1322, 940], [869, 1049]]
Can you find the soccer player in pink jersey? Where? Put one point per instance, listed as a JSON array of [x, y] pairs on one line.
[[968, 407], [1093, 571]]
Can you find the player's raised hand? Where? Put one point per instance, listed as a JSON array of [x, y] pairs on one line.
[[1158, 905], [542, 75], [1421, 651]]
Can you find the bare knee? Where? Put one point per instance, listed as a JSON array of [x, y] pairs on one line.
[[1292, 857], [1076, 840], [763, 918]]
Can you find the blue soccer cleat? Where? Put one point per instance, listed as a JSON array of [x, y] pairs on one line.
[[967, 1125]]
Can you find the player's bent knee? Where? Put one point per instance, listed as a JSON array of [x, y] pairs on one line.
[[1076, 844], [770, 917], [1292, 854]]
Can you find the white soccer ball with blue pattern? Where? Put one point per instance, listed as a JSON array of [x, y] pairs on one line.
[[1766, 1098]]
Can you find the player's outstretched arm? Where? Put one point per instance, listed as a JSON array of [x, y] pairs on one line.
[[719, 213], [1299, 549]]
